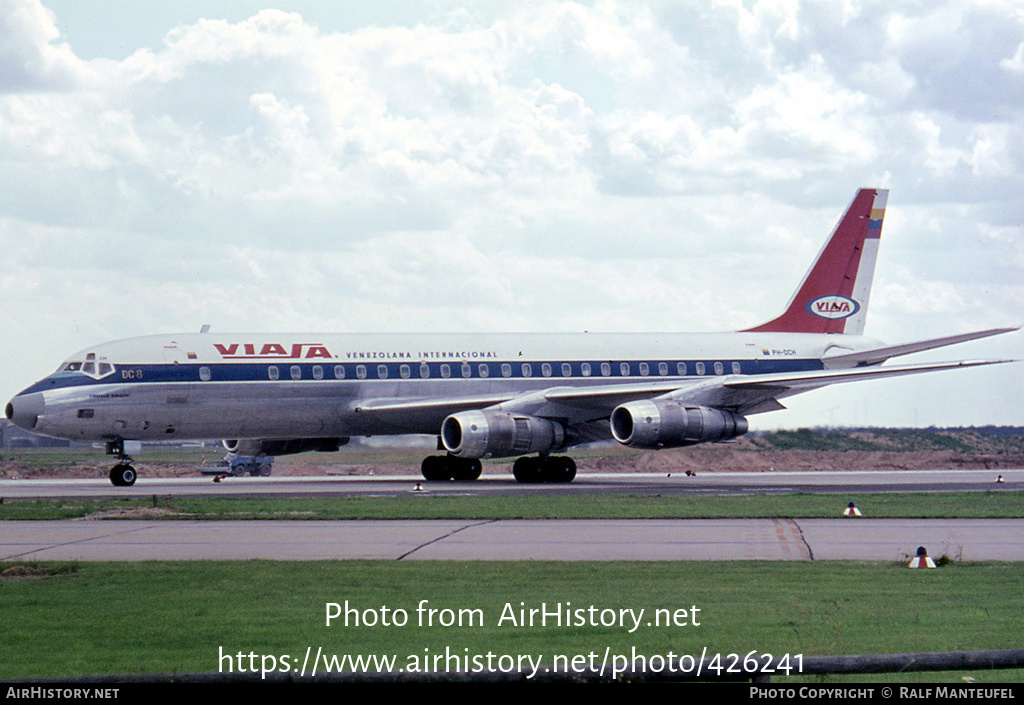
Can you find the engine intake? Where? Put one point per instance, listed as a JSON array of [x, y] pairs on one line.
[[659, 423], [288, 446], [499, 434]]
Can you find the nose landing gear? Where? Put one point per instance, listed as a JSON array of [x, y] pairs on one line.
[[123, 474]]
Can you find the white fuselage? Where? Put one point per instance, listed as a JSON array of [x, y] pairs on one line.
[[211, 386]]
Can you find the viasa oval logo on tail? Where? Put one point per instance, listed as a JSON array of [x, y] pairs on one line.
[[832, 307]]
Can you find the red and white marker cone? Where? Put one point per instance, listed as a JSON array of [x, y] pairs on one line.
[[921, 560], [851, 511]]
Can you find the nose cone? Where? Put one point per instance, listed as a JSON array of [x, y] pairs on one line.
[[24, 410]]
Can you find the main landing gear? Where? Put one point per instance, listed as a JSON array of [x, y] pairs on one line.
[[123, 474], [449, 467], [546, 468]]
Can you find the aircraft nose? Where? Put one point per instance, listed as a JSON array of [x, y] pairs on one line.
[[24, 410]]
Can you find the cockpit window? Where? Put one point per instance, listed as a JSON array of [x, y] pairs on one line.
[[91, 367]]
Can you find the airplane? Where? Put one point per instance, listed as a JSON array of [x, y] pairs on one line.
[[482, 395]]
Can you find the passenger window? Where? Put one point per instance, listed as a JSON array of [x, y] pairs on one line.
[[339, 372], [295, 371], [645, 369], [446, 371], [404, 371], [361, 371], [273, 372], [467, 370], [318, 372], [545, 369], [624, 369], [736, 368], [585, 369], [719, 369], [606, 369], [662, 368], [700, 368], [482, 370], [681, 368], [204, 374], [424, 371], [527, 369], [566, 369], [382, 371], [506, 370]]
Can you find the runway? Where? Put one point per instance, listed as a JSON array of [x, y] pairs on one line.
[[621, 483], [549, 540]]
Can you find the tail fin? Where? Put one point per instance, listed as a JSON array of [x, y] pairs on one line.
[[833, 297]]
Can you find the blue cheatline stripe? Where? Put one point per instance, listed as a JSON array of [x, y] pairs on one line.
[[195, 372]]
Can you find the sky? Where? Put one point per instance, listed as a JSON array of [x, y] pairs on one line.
[[513, 167]]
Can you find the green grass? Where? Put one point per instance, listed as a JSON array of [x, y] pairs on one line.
[[987, 504], [166, 617]]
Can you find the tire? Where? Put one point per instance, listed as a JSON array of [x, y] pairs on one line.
[[122, 476], [527, 471], [435, 468], [467, 470], [560, 469]]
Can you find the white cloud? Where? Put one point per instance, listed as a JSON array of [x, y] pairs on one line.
[[559, 165], [31, 58]]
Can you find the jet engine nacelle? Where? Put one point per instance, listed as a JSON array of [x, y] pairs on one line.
[[660, 423], [499, 434], [283, 447]]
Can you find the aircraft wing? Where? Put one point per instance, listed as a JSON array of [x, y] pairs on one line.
[[744, 394]]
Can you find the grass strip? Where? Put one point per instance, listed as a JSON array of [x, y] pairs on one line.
[[960, 505], [89, 619]]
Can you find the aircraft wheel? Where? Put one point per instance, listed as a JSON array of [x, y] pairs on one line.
[[560, 469], [122, 475], [467, 470], [436, 468], [527, 471]]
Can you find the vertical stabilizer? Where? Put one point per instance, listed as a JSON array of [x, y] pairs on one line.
[[833, 296]]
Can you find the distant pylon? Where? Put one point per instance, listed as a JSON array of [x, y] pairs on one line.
[[851, 511]]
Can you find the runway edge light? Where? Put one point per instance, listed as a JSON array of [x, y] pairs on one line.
[[921, 560]]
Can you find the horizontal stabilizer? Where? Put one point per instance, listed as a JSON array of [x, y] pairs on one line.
[[812, 380], [878, 355]]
